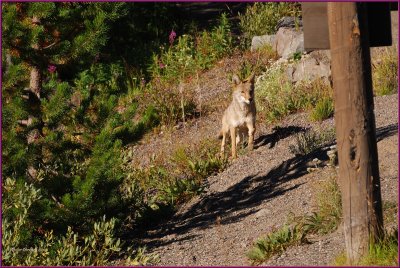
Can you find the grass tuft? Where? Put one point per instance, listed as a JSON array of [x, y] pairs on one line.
[[382, 253], [384, 72], [322, 110], [329, 214], [310, 140]]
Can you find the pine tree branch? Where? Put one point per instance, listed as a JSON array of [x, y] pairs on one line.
[[68, 36], [51, 45], [26, 122]]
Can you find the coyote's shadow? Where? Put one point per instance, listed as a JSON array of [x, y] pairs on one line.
[[278, 134]]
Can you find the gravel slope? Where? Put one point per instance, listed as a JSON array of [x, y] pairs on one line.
[[257, 193]]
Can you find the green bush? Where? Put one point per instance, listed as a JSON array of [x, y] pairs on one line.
[[180, 191], [214, 45], [277, 97], [189, 54], [99, 247], [273, 93], [261, 18], [171, 102]]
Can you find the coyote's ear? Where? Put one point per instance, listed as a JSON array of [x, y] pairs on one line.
[[251, 78], [236, 79]]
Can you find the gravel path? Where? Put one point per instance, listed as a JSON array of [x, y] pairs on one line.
[[258, 192]]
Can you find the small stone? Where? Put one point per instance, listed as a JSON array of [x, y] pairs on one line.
[[262, 213]]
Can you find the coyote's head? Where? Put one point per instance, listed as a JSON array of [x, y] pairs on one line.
[[244, 90]]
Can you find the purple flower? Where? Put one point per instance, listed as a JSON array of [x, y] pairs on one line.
[[52, 68], [172, 36], [161, 65]]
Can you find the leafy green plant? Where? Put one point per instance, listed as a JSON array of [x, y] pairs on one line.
[[195, 164], [296, 56], [99, 247], [168, 101], [261, 18], [17, 228], [199, 161], [203, 168], [163, 186], [384, 72], [142, 258], [180, 190], [274, 243], [271, 93], [323, 109]]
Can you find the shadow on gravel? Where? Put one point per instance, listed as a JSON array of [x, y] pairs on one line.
[[278, 134], [239, 201], [242, 199], [387, 131]]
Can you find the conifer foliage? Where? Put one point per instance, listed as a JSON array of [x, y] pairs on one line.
[[76, 89], [59, 119]]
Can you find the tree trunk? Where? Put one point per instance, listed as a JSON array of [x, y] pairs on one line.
[[35, 82], [355, 127], [35, 86], [8, 62]]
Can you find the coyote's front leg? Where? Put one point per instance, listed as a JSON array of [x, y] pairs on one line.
[[252, 129], [233, 142]]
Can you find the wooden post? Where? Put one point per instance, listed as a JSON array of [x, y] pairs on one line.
[[355, 127]]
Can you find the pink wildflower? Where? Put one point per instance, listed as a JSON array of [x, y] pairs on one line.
[[52, 68], [172, 36]]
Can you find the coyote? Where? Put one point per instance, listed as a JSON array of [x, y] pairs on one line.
[[240, 117]]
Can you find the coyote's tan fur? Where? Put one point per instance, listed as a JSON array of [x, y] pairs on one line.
[[239, 118]]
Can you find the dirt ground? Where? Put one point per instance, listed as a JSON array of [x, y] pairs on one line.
[[257, 192]]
